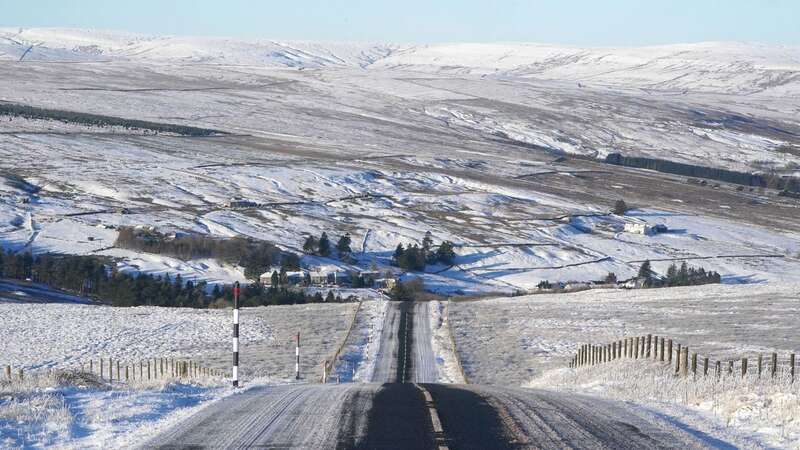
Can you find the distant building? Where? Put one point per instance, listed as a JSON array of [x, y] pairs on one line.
[[318, 278], [638, 227], [385, 283], [292, 278], [369, 277], [339, 278], [641, 227]]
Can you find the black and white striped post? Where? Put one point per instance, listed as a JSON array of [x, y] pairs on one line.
[[297, 360], [236, 334]]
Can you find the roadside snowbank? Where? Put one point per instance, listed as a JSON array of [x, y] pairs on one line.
[[741, 410], [447, 365], [358, 357]]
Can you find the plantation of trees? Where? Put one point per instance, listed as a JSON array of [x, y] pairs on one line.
[[322, 246], [415, 257], [32, 112], [98, 278], [254, 256], [678, 276], [773, 181]]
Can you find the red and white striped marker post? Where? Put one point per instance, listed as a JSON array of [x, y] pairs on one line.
[[236, 334], [297, 360]]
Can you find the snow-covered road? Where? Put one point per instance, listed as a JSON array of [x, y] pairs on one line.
[[386, 362], [296, 416], [396, 416], [422, 357]]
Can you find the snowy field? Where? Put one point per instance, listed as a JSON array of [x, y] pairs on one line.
[[512, 340], [61, 336], [463, 140]]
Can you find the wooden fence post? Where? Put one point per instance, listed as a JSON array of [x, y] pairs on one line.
[[625, 348], [705, 367], [719, 369], [647, 346], [21, 374], [669, 353], [774, 364], [126, 373], [110, 370], [730, 367], [91, 366], [759, 365], [678, 360], [791, 367], [694, 364], [8, 372], [744, 367], [685, 362], [636, 348], [662, 349], [118, 378]]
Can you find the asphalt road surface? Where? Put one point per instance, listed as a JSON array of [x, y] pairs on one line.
[[418, 414]]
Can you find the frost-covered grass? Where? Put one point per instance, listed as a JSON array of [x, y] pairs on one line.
[[49, 336], [511, 340], [72, 409], [765, 407]]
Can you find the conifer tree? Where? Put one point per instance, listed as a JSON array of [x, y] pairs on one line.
[[324, 245]]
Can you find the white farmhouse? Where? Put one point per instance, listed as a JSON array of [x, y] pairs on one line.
[[638, 227]]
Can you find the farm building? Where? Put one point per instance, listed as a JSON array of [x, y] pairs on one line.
[[642, 227]]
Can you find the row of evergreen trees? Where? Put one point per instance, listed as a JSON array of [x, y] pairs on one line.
[[98, 277], [415, 257], [322, 246], [676, 276], [683, 276], [255, 257], [32, 112]]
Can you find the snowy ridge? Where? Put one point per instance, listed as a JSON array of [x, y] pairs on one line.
[[55, 44], [706, 67]]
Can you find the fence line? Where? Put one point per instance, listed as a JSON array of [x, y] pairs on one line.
[[329, 365], [660, 349], [111, 370]]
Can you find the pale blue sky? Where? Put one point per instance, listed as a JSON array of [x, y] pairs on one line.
[[580, 22]]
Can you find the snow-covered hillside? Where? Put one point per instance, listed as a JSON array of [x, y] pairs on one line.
[[53, 44], [734, 68]]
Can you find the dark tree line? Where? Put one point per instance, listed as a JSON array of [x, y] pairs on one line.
[[678, 276], [256, 257], [416, 257], [32, 112], [773, 181], [98, 278], [322, 246]]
